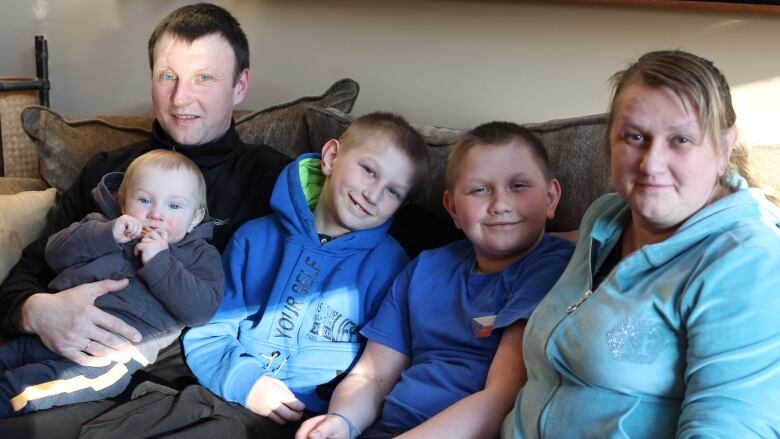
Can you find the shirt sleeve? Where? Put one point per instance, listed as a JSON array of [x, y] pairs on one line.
[[213, 351], [391, 327], [733, 358]]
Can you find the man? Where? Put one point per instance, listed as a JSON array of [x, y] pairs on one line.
[[199, 57]]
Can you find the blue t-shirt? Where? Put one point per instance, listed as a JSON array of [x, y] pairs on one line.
[[447, 319]]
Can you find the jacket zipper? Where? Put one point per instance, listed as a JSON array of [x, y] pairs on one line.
[[589, 292]]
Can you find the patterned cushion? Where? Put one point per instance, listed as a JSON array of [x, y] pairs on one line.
[[571, 143], [65, 145]]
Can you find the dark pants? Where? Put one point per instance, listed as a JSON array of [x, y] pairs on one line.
[[192, 413], [66, 421], [33, 378]]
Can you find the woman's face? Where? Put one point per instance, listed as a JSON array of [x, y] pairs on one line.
[[663, 163]]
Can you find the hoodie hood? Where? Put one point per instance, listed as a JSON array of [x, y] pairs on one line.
[[105, 198], [295, 196], [726, 214]]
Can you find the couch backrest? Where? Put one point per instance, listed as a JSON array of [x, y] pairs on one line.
[[576, 147]]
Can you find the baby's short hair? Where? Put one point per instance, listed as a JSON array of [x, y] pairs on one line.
[[166, 160], [395, 128], [496, 134]]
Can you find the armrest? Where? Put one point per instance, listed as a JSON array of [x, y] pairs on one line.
[[13, 185]]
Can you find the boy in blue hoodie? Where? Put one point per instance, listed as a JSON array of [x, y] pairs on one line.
[[302, 282]]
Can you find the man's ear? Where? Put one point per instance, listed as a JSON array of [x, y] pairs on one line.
[[553, 197], [197, 218], [329, 152], [241, 87], [449, 205]]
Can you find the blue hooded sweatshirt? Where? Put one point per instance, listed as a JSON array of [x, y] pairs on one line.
[[293, 306]]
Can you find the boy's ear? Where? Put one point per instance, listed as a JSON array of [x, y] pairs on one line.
[[197, 218], [553, 197], [329, 152], [449, 205]]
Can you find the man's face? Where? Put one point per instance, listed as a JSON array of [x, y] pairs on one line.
[[192, 87]]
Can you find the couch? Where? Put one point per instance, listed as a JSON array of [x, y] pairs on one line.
[[576, 147]]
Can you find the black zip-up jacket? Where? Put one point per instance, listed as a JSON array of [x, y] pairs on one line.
[[239, 180]]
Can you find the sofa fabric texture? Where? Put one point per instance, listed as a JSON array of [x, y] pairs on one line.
[[65, 145]]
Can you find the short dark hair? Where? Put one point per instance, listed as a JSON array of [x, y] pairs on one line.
[[191, 22], [398, 130], [495, 134]]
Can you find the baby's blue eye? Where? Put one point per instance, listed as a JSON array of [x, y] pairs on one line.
[[369, 171], [143, 200], [174, 206], [394, 192]]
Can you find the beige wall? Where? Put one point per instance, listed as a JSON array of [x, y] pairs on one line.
[[448, 63]]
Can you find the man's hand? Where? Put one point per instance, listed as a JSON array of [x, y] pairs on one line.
[[323, 427], [152, 243], [69, 324], [126, 228], [271, 398]]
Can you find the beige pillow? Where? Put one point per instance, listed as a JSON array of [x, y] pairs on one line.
[[575, 146], [22, 218], [65, 145]]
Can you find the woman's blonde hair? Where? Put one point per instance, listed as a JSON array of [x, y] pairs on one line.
[[696, 80]]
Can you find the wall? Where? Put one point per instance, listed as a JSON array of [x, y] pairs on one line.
[[448, 63]]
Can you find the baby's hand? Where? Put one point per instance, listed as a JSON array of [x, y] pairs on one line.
[[153, 242], [126, 228]]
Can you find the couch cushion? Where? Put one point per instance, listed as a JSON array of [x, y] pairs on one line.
[[65, 145], [569, 142], [13, 185], [22, 217]]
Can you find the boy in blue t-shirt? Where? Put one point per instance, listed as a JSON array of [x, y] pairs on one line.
[[444, 356], [302, 282]]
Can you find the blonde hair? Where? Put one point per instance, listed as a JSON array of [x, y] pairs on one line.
[[400, 133], [165, 160], [696, 80]]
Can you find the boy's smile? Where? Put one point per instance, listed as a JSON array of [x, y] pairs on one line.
[[366, 184], [501, 201]]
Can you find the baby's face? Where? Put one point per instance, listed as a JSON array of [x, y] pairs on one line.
[[164, 200], [501, 201]]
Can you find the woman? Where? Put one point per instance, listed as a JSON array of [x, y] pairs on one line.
[[664, 323]]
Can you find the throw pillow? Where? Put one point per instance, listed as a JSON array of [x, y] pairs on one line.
[[65, 145], [22, 218], [569, 142], [284, 127]]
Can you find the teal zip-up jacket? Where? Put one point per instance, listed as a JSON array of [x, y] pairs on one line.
[[681, 339], [293, 306]]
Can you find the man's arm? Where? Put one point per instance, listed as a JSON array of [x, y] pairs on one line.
[[481, 414], [67, 322], [359, 397]]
